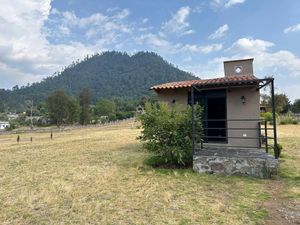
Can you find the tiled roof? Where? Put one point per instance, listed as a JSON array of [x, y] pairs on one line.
[[222, 81]]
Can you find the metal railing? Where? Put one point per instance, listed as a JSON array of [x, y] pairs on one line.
[[261, 126]]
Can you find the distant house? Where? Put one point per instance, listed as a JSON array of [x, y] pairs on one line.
[[12, 116], [231, 117], [33, 118], [3, 125]]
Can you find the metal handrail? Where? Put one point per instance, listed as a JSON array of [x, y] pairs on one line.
[[225, 120], [232, 128], [262, 132]]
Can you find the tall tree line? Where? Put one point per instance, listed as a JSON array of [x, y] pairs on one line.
[[64, 109], [282, 103]]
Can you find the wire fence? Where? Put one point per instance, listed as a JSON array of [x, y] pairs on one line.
[[44, 133]]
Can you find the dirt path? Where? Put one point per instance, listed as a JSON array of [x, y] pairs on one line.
[[281, 211]]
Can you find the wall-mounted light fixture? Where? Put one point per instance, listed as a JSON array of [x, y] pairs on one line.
[[243, 99]]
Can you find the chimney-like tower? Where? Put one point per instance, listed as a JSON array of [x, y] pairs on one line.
[[242, 67]]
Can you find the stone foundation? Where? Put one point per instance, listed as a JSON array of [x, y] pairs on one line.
[[247, 162]]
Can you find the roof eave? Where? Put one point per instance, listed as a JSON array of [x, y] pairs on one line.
[[233, 84]]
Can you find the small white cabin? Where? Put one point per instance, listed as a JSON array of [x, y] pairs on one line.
[[3, 125]]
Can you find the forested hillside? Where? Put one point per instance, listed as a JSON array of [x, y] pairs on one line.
[[107, 75]]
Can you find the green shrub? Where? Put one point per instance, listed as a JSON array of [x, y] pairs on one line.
[[12, 125], [295, 122], [268, 116], [167, 132], [286, 120], [279, 147]]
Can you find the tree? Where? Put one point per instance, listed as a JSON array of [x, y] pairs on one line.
[[84, 100], [42, 109], [62, 108], [105, 107], [57, 105], [15, 88], [296, 106], [73, 111], [265, 99], [2, 107], [282, 103]]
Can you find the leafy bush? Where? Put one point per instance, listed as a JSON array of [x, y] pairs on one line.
[[167, 132], [288, 120], [279, 147], [12, 125], [268, 116]]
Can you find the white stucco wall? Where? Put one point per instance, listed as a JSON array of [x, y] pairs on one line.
[[3, 125]]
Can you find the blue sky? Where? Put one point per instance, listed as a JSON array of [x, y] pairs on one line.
[[39, 37]]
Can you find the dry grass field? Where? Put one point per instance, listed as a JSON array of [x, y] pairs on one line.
[[98, 176]]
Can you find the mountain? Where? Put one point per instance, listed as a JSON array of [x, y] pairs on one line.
[[107, 75]]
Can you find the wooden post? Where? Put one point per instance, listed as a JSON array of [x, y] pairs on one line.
[[51, 134], [18, 138]]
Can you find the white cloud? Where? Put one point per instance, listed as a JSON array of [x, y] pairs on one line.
[[249, 45], [153, 40], [178, 23], [107, 27], [220, 32], [145, 20], [202, 49], [25, 53], [282, 62], [293, 28], [64, 31], [159, 41], [233, 2], [215, 4]]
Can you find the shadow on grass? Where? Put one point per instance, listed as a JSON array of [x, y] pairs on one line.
[[159, 162]]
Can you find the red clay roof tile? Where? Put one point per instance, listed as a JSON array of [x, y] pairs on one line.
[[222, 81]]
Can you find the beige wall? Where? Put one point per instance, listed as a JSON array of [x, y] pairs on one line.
[[179, 95], [237, 110], [246, 65]]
